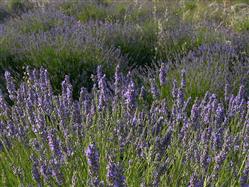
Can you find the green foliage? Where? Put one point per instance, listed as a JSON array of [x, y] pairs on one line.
[[3, 14], [18, 6], [79, 64], [91, 11], [15, 5], [241, 23], [86, 10], [140, 50]]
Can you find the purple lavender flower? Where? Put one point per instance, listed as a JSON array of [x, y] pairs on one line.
[[85, 101], [45, 169], [118, 81], [206, 114], [157, 126], [10, 85], [241, 93], [220, 115], [77, 118], [115, 175], [153, 89], [222, 155], [180, 99], [3, 106], [57, 174], [217, 139], [130, 97], [245, 175], [174, 89], [102, 93], [195, 112], [163, 74], [43, 82], [92, 155], [35, 171], [205, 158], [194, 182], [67, 92], [99, 72], [54, 145]]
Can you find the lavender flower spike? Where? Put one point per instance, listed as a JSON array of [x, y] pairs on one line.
[[115, 174], [153, 88], [130, 96], [174, 89], [93, 163], [163, 74], [245, 176], [10, 85]]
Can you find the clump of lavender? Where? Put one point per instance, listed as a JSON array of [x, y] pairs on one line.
[[115, 175], [244, 179], [150, 139], [35, 171], [195, 182], [92, 155]]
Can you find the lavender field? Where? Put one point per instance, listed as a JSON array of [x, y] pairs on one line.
[[124, 93]]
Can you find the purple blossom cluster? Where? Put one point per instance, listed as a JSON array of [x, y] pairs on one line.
[[207, 136]]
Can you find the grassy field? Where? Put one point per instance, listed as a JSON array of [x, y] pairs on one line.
[[124, 93]]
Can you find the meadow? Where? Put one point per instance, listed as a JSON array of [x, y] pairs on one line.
[[124, 93]]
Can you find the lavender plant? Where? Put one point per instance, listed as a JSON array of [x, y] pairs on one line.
[[43, 134], [64, 46]]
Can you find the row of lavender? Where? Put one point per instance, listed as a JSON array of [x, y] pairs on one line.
[[113, 136], [64, 45]]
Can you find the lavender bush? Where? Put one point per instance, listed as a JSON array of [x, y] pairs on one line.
[[59, 43], [39, 20], [49, 139]]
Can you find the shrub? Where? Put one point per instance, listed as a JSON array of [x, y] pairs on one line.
[[86, 10], [213, 66], [17, 7], [134, 41], [123, 11], [38, 20], [62, 49]]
